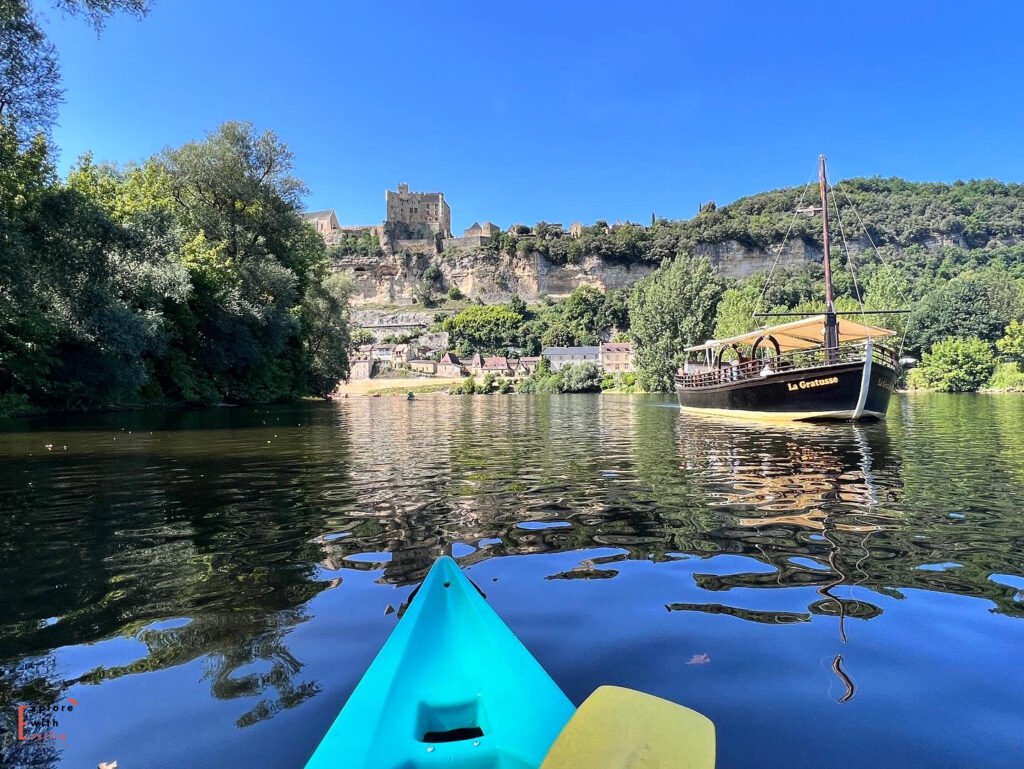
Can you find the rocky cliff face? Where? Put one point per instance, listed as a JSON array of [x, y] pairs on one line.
[[392, 280]]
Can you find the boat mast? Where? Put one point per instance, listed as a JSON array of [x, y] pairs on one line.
[[831, 324]]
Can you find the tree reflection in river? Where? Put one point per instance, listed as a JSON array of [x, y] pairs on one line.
[[213, 537]]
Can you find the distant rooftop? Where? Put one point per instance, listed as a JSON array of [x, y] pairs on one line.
[[317, 214], [571, 350]]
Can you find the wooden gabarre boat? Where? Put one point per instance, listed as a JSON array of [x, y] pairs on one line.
[[821, 367]]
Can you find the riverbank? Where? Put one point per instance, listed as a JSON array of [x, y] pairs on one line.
[[398, 386]]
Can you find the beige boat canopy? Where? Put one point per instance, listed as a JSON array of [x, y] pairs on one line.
[[802, 334]]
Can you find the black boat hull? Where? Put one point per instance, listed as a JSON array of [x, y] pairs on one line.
[[822, 393]]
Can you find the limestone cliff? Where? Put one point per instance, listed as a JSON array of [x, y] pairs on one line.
[[392, 279]]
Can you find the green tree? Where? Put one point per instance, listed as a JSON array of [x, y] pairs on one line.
[[30, 91], [670, 309], [962, 307], [361, 336], [581, 378], [487, 328], [958, 365], [517, 305], [29, 75], [735, 314], [1011, 344], [325, 310], [251, 259]]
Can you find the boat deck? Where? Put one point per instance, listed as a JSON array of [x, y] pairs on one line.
[[810, 360]]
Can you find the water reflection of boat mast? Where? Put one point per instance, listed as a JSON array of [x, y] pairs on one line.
[[788, 488], [841, 576]]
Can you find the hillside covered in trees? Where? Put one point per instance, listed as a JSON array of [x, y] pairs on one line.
[[928, 223], [952, 255]]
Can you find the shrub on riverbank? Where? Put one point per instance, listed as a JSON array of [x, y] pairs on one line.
[[582, 377], [1007, 377], [624, 382], [955, 365]]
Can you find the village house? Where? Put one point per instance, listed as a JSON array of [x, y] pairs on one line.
[[485, 230], [450, 366], [497, 365], [402, 353], [563, 356], [325, 222], [383, 352], [361, 367], [617, 356], [476, 364], [423, 366], [575, 229], [527, 365]]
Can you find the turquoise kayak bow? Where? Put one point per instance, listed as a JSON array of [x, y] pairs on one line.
[[453, 687]]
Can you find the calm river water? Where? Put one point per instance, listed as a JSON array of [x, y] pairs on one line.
[[209, 586]]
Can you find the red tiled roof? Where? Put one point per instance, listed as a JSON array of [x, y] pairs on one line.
[[617, 347], [496, 363]]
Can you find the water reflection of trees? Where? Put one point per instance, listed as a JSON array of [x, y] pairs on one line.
[[215, 532], [235, 530], [815, 503]]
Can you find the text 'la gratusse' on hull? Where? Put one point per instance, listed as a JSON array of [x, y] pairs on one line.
[[821, 367]]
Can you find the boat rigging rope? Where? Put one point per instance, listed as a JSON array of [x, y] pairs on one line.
[[782, 246], [849, 258], [903, 296]]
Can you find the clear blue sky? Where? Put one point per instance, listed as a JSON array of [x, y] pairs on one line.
[[559, 110]]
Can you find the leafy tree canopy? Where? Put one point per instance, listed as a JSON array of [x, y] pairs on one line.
[[670, 309]]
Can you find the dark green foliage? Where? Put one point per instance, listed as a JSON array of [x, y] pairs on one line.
[[957, 365], [363, 245], [970, 305], [29, 76], [669, 309], [487, 329], [191, 278]]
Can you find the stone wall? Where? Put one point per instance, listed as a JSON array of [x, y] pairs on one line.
[[382, 323]]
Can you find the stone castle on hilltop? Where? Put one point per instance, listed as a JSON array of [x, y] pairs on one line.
[[418, 215], [416, 222]]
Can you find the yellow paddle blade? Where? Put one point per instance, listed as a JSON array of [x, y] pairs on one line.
[[616, 728]]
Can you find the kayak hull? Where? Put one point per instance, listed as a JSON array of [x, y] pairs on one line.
[[451, 687]]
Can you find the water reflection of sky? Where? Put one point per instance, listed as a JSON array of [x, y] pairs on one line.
[[211, 585]]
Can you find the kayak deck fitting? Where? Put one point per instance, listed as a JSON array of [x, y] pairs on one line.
[[453, 687]]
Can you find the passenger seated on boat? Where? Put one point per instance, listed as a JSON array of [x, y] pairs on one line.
[[767, 370]]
